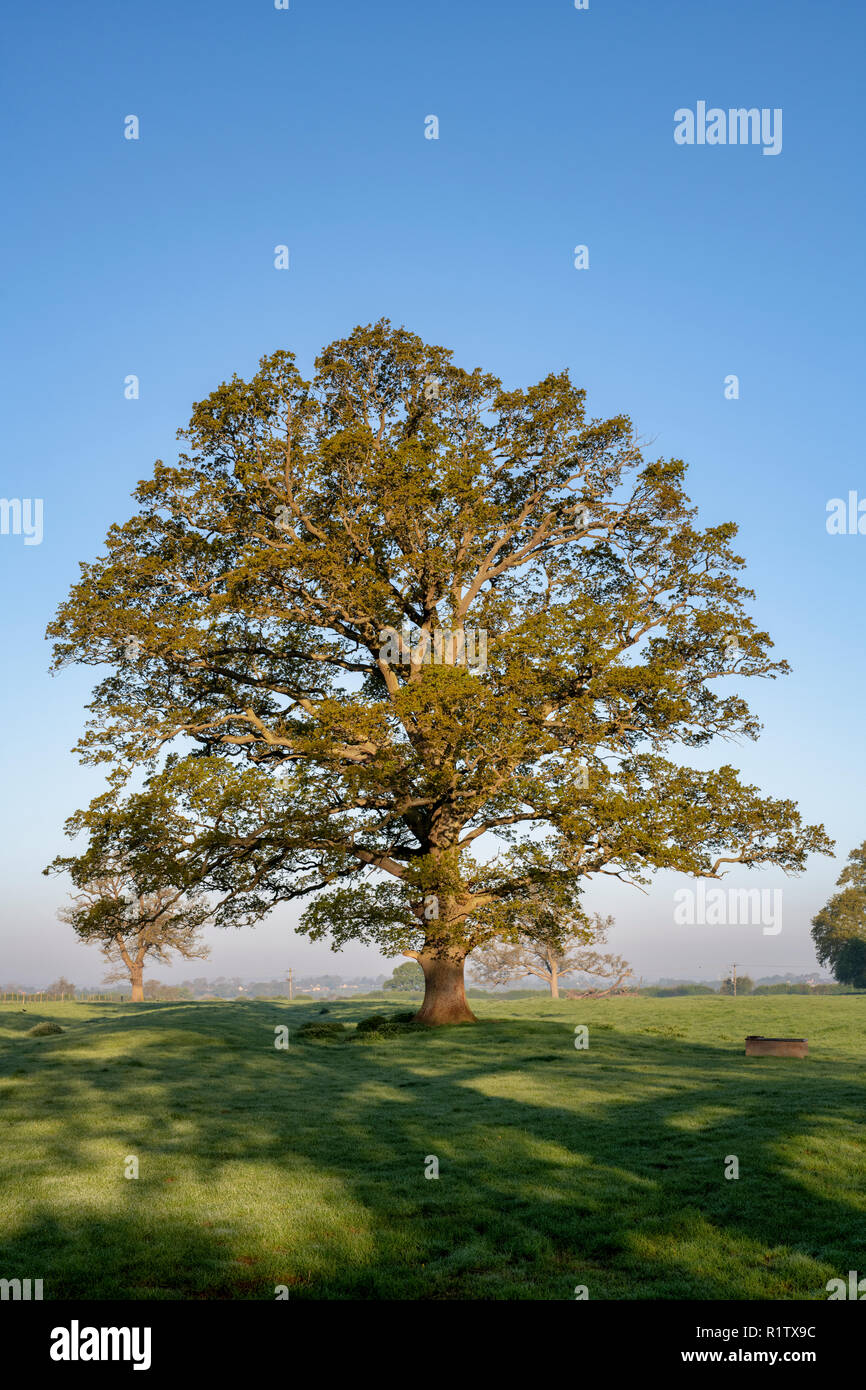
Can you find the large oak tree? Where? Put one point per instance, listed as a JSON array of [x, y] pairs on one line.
[[283, 743]]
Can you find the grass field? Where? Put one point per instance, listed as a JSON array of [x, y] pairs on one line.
[[305, 1167]]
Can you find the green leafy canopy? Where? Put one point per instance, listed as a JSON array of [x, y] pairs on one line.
[[839, 929], [277, 747]]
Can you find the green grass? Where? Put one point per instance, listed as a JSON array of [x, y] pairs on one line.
[[305, 1167]]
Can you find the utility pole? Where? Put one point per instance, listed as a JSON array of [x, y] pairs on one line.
[[734, 977], [291, 984]]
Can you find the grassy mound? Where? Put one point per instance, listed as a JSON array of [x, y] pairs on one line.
[[42, 1030], [385, 1026], [314, 1029], [373, 1023]]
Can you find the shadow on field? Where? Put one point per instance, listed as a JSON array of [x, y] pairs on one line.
[[557, 1168], [128, 1256]]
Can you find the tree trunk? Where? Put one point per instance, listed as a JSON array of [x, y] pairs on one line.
[[554, 984], [136, 975], [444, 994]]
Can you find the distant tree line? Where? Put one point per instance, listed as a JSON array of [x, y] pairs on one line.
[[674, 991], [745, 986]]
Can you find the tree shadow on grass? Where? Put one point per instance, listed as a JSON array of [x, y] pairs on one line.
[[81, 1256], [556, 1168]]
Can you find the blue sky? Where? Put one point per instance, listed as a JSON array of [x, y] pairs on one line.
[[305, 127]]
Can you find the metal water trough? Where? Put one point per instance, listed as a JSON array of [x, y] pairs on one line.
[[758, 1046]]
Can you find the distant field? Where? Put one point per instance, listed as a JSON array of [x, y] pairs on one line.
[[558, 1167]]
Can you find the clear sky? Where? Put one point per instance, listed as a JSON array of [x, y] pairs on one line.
[[305, 127]]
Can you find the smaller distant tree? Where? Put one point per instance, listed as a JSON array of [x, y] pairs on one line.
[[552, 940], [599, 975], [61, 986], [408, 977], [132, 927], [839, 929], [744, 985]]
